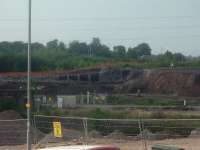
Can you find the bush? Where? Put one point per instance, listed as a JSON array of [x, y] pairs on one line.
[[7, 104], [117, 100], [99, 114]]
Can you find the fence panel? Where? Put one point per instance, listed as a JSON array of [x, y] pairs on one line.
[[181, 133], [13, 133], [117, 132], [72, 131], [81, 131], [125, 134]]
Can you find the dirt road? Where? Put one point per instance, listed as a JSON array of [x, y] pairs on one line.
[[187, 143]]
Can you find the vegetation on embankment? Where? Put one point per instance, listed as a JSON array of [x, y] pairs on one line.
[[145, 101], [9, 103], [168, 123], [142, 107], [55, 55], [120, 113]]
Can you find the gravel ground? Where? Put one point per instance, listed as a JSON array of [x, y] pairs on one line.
[[187, 143]]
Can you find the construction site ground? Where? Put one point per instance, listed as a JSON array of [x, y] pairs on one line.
[[13, 134], [188, 144]]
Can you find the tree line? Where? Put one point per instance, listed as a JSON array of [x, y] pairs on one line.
[[56, 55]]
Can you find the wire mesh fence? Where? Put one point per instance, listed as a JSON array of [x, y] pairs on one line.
[[13, 132], [72, 131], [127, 134]]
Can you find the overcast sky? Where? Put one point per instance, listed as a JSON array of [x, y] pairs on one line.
[[164, 24]]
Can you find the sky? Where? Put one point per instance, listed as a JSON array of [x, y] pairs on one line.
[[165, 24]]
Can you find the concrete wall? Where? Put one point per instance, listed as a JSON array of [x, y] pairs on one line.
[[67, 101]]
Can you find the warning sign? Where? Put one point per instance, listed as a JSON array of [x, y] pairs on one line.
[[57, 129], [28, 105]]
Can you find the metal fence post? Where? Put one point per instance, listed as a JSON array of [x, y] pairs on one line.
[[143, 134], [35, 132], [85, 125], [140, 127]]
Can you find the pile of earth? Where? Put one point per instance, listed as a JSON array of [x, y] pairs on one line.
[[69, 135], [177, 82], [10, 115], [13, 129]]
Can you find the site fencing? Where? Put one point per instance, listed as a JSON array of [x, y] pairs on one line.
[[13, 132], [129, 134]]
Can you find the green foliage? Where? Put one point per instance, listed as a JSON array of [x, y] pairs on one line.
[[117, 100], [140, 101], [7, 104], [53, 112], [52, 44], [78, 48], [139, 51], [98, 49], [99, 114], [56, 56], [119, 51]]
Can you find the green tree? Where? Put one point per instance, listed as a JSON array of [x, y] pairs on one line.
[[119, 51], [52, 44], [37, 46], [168, 55], [12, 47], [139, 51], [132, 53], [179, 57], [97, 49], [62, 46], [143, 49], [78, 48]]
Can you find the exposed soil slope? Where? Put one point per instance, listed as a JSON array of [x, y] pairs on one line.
[[176, 82]]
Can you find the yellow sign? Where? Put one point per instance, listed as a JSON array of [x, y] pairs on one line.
[[28, 105], [50, 99], [57, 129]]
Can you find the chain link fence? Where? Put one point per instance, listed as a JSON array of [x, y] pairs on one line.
[[129, 134]]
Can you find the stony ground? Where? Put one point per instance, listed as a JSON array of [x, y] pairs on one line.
[[188, 144]]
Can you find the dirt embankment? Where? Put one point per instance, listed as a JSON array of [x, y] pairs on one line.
[[177, 82], [174, 81], [12, 128]]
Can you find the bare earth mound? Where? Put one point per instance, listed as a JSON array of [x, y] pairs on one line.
[[12, 128]]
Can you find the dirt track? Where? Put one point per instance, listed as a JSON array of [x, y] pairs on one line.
[[188, 144]]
